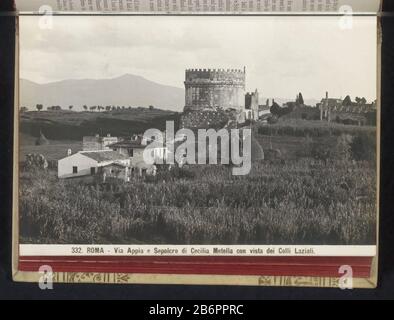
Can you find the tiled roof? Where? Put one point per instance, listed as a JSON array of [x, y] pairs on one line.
[[126, 144], [116, 164], [102, 156]]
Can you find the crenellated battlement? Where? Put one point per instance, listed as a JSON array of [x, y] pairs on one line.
[[214, 75], [214, 70]]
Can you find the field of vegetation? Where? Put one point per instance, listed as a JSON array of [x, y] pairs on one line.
[[72, 125], [324, 193], [304, 128]]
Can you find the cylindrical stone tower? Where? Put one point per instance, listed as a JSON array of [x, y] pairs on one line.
[[213, 88]]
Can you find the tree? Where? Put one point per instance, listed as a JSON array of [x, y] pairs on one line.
[[275, 109], [108, 108], [281, 111], [300, 99], [71, 107], [358, 100], [85, 107], [151, 107], [363, 101], [23, 109], [39, 107], [347, 101], [92, 108]]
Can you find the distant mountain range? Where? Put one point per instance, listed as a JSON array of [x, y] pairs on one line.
[[127, 90]]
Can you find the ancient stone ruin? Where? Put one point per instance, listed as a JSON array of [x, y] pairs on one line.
[[214, 88]]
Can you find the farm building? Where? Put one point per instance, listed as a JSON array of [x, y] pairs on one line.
[[327, 105], [85, 163], [117, 161], [96, 143], [358, 113], [115, 170], [135, 150]]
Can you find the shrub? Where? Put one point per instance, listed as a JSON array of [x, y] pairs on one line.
[[271, 120], [303, 128], [363, 147]]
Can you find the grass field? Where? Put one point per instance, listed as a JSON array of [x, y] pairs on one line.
[[298, 200], [71, 125], [322, 190], [303, 202], [65, 129], [303, 128], [78, 117], [56, 150]]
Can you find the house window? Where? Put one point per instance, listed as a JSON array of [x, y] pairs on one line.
[[75, 170], [131, 153], [92, 170]]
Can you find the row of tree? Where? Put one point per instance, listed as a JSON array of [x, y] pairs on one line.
[[40, 107], [347, 102], [111, 108]]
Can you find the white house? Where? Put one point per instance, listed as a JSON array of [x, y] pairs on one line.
[[135, 151], [159, 154], [86, 163]]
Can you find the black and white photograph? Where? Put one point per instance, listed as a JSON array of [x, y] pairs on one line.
[[198, 130]]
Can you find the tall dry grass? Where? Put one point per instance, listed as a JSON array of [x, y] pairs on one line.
[[299, 202]]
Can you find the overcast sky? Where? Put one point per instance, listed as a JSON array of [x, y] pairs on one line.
[[283, 56]]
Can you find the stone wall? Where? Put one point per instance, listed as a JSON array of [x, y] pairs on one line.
[[96, 143], [214, 88], [252, 104], [206, 119]]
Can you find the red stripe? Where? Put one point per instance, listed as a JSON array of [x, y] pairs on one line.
[[288, 266]]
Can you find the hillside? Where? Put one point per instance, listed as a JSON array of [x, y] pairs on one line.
[[72, 125], [127, 90]]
